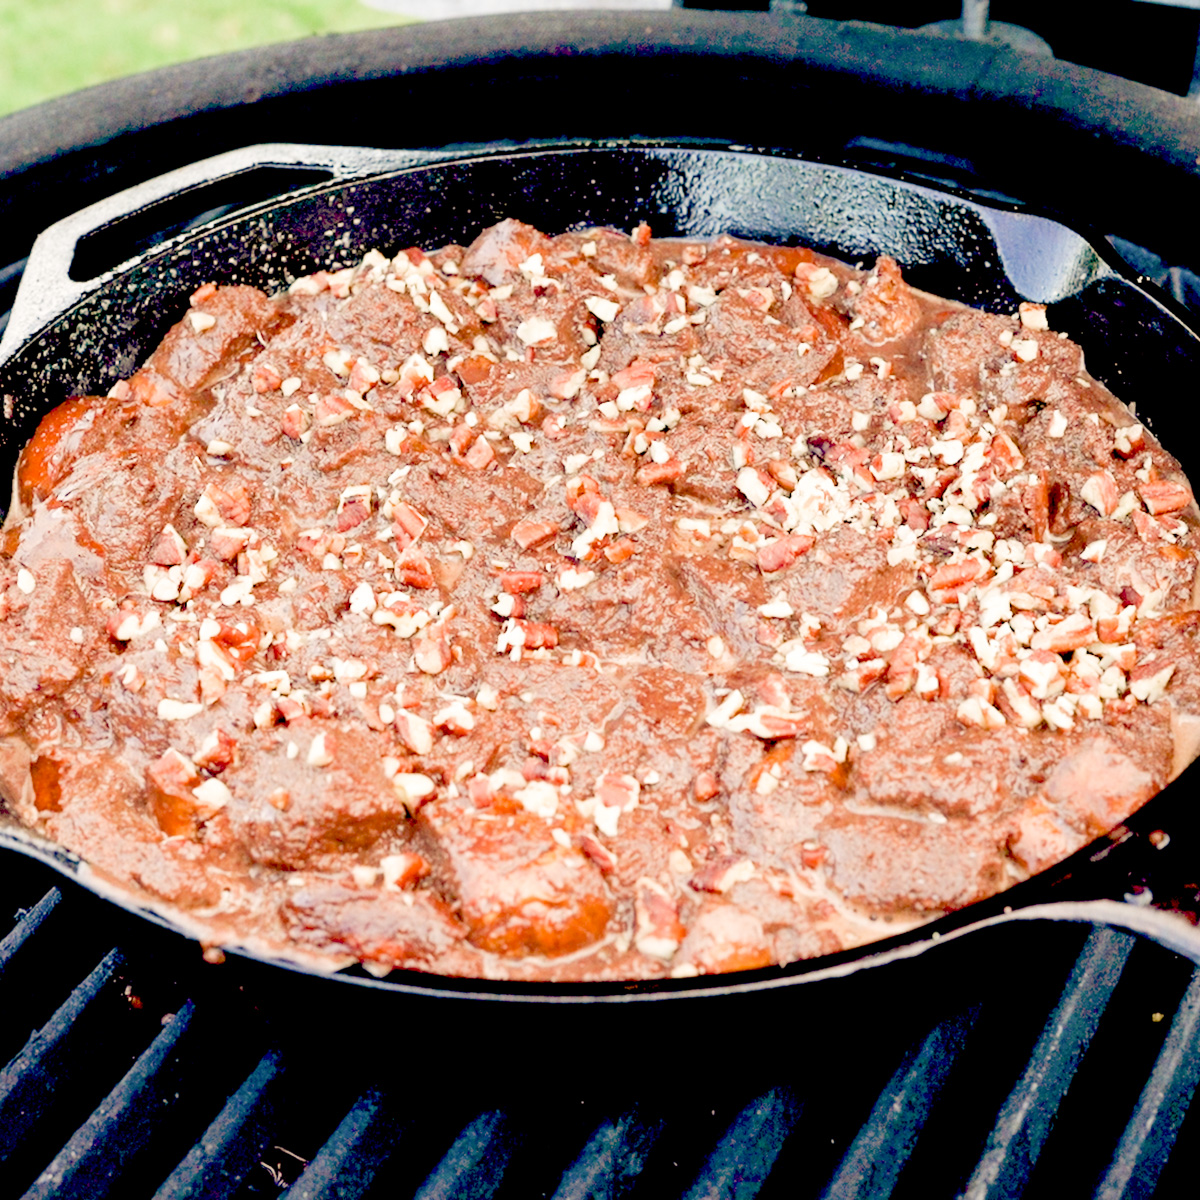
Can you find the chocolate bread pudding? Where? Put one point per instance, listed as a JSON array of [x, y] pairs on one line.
[[591, 607]]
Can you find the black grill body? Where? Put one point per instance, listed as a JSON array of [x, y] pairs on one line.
[[1037, 1060], [1042, 1060]]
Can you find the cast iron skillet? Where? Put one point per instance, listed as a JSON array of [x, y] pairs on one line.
[[79, 326]]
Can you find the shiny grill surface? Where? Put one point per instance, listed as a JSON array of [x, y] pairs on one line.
[[1050, 1061], [133, 1073]]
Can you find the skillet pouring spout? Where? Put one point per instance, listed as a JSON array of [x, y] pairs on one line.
[[71, 336]]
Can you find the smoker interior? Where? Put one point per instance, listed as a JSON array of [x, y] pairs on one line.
[[1037, 1059]]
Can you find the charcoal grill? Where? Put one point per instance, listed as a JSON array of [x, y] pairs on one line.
[[1040, 1059], [1065, 1067]]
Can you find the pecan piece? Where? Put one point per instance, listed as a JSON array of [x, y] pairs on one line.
[[533, 533], [784, 551], [657, 928], [1165, 496], [655, 473]]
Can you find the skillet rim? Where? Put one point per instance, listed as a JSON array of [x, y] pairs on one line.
[[909, 943]]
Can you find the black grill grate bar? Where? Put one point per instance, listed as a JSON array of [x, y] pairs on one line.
[[880, 1151], [29, 923], [101, 1153], [474, 1166], [1025, 1121], [612, 1159], [1150, 1135], [233, 1145], [347, 1165], [35, 1079], [746, 1153]]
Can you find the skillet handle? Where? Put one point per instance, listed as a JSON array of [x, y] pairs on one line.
[[1173, 931], [48, 289]]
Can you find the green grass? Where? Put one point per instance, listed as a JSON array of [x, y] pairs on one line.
[[51, 47]]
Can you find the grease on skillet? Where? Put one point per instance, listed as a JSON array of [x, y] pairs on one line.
[[591, 607]]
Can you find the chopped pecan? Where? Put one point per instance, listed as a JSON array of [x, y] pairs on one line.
[[480, 455], [948, 580], [415, 732], [1005, 454], [721, 873], [352, 513], [170, 550], [903, 665], [599, 854], [216, 753], [657, 928], [1071, 633], [1165, 495], [538, 635], [519, 582], [655, 473], [1157, 531], [1100, 491], [784, 551], [294, 422], [431, 650], [233, 503], [403, 870], [528, 534], [639, 373], [414, 569], [332, 408], [620, 551], [265, 378], [567, 385], [227, 544]]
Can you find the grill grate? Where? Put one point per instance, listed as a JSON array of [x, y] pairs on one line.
[[1152, 1130], [878, 1155], [140, 1079], [1028, 1115]]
